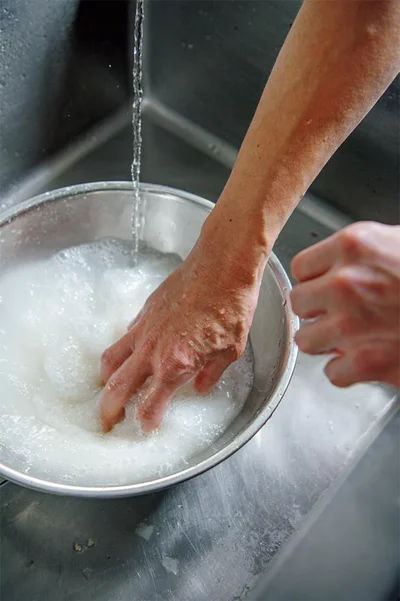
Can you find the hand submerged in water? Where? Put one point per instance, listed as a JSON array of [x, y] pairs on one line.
[[192, 327]]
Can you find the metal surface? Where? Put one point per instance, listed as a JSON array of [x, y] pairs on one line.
[[172, 224], [64, 66], [207, 539], [34, 54], [349, 550]]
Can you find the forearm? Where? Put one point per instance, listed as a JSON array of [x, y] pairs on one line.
[[337, 60]]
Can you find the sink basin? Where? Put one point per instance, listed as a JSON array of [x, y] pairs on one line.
[[218, 532], [210, 537], [82, 214]]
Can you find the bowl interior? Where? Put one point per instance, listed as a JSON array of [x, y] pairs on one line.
[[172, 222]]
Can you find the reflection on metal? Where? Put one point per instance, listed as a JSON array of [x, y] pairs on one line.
[[43, 176]]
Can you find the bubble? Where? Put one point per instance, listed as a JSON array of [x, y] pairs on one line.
[[57, 317]]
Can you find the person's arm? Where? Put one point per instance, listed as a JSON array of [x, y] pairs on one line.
[[337, 60]]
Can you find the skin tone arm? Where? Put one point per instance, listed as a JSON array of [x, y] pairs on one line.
[[337, 60]]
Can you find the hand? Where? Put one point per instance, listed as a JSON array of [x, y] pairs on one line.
[[193, 326], [350, 288]]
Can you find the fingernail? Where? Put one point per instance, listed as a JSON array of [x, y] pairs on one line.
[[108, 417], [109, 423], [106, 424]]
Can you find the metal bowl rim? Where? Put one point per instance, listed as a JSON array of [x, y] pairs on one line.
[[258, 422]]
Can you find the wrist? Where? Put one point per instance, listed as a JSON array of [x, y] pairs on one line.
[[239, 242]]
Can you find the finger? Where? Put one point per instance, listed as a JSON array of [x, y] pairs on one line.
[[367, 363], [122, 385], [211, 372], [115, 356], [314, 261], [340, 371], [154, 404], [309, 298], [134, 321], [317, 337]]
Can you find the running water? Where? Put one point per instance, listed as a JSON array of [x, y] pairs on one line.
[[137, 122]]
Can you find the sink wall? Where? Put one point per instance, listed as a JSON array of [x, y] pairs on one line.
[[63, 68], [220, 530], [209, 61], [66, 65]]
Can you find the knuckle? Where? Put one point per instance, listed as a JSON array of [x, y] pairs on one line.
[[345, 326], [116, 386], [343, 282], [353, 238], [177, 365], [108, 358], [147, 346], [173, 366]]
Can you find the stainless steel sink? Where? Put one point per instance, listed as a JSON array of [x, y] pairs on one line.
[[212, 537]]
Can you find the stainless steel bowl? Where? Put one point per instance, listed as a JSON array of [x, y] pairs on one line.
[[81, 214]]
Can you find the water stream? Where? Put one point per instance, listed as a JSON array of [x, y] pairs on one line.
[[137, 122]]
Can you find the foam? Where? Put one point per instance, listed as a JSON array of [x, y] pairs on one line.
[[56, 317]]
